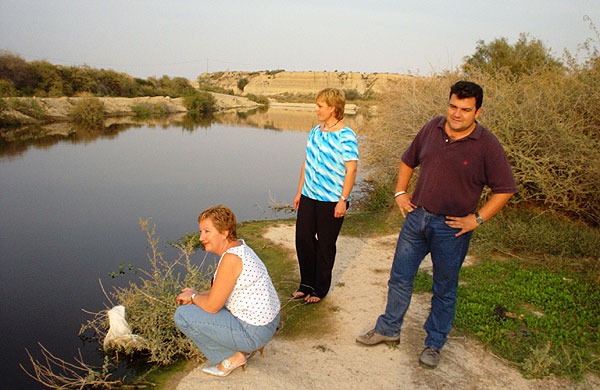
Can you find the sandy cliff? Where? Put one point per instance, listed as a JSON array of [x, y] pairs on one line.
[[275, 83]]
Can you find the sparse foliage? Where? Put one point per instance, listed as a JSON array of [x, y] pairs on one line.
[[526, 56], [150, 302], [199, 102], [89, 112]]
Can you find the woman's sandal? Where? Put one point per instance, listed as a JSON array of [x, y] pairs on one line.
[[214, 370], [296, 295], [311, 299], [261, 350]]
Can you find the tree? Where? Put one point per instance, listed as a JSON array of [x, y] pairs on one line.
[[16, 70], [526, 56]]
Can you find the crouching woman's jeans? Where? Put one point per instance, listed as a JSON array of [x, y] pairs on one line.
[[220, 335]]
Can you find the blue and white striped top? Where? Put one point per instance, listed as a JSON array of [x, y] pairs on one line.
[[326, 153]]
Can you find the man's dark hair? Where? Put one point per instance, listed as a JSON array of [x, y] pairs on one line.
[[467, 89]]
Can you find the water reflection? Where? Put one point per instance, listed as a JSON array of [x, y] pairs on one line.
[[14, 142]]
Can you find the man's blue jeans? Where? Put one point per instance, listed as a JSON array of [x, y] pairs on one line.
[[423, 233]]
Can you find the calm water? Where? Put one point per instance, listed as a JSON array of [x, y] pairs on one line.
[[69, 211]]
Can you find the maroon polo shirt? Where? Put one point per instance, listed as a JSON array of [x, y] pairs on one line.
[[452, 174]]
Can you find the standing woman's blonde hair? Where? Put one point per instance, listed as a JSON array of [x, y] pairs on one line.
[[335, 98]]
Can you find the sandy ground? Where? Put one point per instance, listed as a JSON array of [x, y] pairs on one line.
[[334, 360]]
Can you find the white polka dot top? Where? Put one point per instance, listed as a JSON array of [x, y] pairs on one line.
[[253, 299]]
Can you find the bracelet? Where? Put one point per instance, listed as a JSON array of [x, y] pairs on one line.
[[399, 193], [192, 298]]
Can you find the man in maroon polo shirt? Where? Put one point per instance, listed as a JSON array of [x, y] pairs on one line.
[[457, 158]]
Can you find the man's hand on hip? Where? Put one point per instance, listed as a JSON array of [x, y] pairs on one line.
[[466, 224]]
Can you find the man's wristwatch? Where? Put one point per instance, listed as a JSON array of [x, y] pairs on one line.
[[192, 298], [478, 219], [342, 198]]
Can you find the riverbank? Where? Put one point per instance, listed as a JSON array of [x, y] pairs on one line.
[[332, 359], [60, 109]]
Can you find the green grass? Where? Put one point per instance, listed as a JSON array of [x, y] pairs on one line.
[[545, 322], [549, 240], [566, 328]]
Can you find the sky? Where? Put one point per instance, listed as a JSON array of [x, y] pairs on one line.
[[185, 38]]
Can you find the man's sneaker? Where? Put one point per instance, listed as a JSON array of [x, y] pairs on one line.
[[372, 338], [430, 357]]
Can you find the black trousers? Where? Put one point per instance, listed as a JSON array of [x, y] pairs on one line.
[[317, 231]]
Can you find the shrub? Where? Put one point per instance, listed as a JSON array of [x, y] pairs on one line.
[[27, 106], [352, 94], [89, 112], [260, 99], [148, 110], [203, 86], [151, 301], [242, 83], [7, 89], [274, 72], [199, 102], [5, 119]]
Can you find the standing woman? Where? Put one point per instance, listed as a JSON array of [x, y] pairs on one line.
[[240, 312], [326, 180]]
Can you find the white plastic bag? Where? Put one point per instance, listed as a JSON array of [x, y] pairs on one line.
[[119, 333]]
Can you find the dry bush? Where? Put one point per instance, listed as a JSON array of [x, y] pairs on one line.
[[551, 137], [547, 122], [151, 304], [89, 112], [401, 112]]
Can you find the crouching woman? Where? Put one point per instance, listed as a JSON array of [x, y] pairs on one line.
[[240, 312]]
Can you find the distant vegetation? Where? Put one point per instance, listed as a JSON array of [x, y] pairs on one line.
[[525, 57], [274, 72], [260, 99], [204, 86], [149, 110], [43, 79], [89, 112], [242, 83], [199, 102]]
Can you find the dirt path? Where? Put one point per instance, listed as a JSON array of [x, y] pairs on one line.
[[335, 361]]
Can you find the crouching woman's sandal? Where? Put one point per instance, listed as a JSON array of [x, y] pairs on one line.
[[214, 370], [261, 350]]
